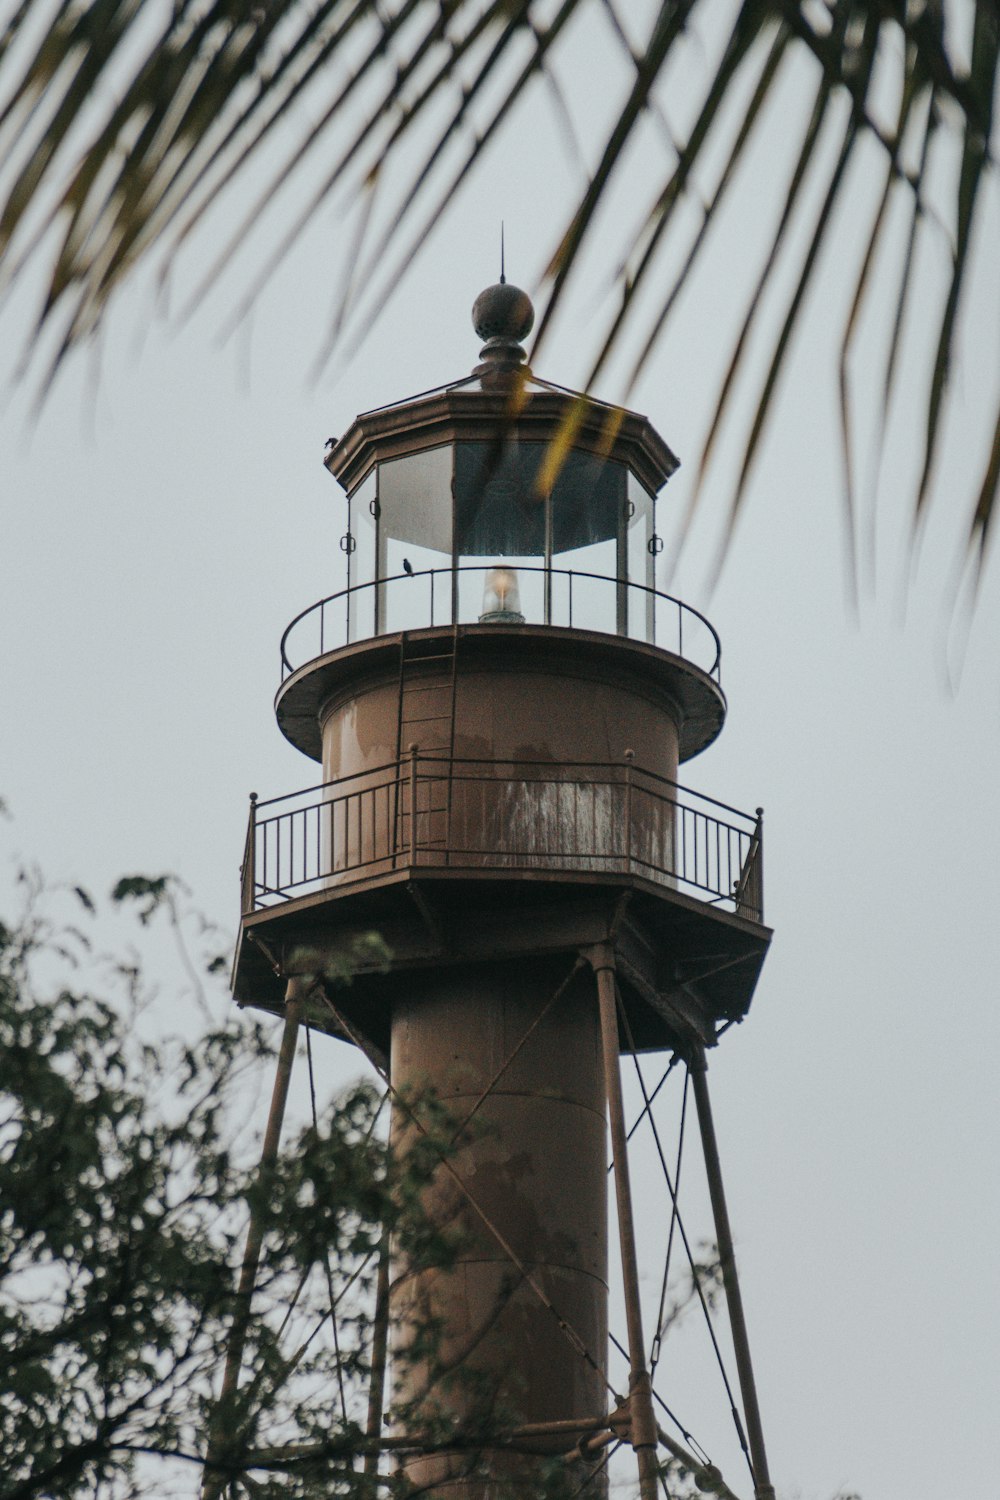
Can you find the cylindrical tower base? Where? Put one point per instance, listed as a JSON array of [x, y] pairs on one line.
[[525, 1199]]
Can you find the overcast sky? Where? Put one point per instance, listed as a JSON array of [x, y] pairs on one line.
[[168, 514]]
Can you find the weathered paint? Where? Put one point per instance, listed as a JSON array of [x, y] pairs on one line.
[[534, 1160]]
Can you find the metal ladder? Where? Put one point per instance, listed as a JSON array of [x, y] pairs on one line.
[[426, 717]]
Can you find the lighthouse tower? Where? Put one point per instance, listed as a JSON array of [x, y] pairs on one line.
[[500, 700]]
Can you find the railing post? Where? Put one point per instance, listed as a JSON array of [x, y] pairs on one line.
[[249, 871], [629, 761], [397, 811], [748, 890], [413, 803]]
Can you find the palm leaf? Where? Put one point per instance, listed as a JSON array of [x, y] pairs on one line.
[[917, 211], [662, 215], [909, 93], [975, 155], [669, 26], [125, 128], [394, 265]]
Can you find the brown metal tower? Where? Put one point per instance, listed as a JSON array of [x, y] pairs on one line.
[[500, 699]]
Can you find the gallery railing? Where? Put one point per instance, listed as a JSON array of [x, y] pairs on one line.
[[431, 811], [566, 597]]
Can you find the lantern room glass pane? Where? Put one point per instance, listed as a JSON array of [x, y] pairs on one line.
[[414, 515], [507, 510], [500, 518], [588, 529], [499, 510], [430, 529], [361, 562], [641, 563], [588, 500]]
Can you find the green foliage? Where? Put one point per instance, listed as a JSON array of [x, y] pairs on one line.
[[127, 1171], [124, 1185], [152, 893]]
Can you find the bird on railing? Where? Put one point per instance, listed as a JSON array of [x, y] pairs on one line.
[[407, 567]]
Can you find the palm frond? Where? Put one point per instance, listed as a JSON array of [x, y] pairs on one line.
[[661, 217], [127, 127], [395, 259], [975, 154]]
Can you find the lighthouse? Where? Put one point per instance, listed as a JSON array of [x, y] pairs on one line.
[[499, 703]]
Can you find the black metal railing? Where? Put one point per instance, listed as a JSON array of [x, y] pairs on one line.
[[566, 597], [425, 811]]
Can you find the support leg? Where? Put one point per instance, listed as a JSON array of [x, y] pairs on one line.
[[643, 1421], [380, 1339], [763, 1489], [222, 1424]]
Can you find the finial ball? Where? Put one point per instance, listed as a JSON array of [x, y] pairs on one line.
[[503, 311]]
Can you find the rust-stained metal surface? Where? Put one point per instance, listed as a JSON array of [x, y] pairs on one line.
[[466, 413], [685, 968], [565, 818], [550, 693], [511, 703], [531, 1221]]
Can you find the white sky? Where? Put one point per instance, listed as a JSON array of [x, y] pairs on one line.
[[169, 514]]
